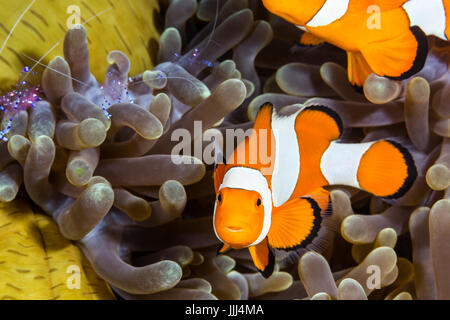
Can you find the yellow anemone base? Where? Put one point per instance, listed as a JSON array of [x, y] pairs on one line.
[[40, 26], [37, 262]]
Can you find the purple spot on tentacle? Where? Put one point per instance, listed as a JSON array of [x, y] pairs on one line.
[[23, 97]]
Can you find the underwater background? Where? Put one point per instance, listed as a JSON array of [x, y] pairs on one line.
[[92, 207]]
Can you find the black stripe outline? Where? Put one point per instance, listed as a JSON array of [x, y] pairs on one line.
[[421, 54], [268, 270], [333, 114], [412, 171]]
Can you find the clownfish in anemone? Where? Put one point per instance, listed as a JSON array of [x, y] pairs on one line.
[[276, 198], [392, 44]]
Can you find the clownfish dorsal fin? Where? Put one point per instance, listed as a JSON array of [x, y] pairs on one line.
[[219, 164], [316, 127], [219, 173], [263, 118], [400, 57], [219, 157], [319, 122], [263, 258], [256, 150], [297, 222]]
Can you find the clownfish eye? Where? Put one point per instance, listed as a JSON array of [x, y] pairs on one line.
[[258, 202], [219, 198]]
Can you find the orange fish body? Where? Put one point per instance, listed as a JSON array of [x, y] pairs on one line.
[[385, 37], [276, 198]]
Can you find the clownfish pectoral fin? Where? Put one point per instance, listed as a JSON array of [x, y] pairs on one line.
[[308, 39], [387, 170], [296, 223], [398, 58], [223, 248], [322, 197], [358, 69], [263, 258]]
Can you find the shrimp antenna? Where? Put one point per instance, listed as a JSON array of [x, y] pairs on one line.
[[214, 26], [57, 43], [59, 72], [15, 25]]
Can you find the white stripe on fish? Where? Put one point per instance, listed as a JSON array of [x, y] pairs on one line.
[[331, 11], [429, 15], [287, 158], [340, 162]]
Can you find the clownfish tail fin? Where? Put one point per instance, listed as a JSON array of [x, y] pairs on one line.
[[420, 57], [387, 170], [400, 57]]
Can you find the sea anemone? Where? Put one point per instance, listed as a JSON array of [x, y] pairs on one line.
[[98, 159]]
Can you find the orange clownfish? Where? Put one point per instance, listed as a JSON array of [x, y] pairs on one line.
[[281, 203], [385, 37]]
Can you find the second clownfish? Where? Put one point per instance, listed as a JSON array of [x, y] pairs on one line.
[[280, 203], [385, 37]]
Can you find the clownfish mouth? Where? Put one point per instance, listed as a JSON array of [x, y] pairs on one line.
[[234, 229]]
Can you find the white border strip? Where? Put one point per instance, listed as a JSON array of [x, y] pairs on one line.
[[287, 158], [429, 15], [252, 180], [340, 162], [331, 11]]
